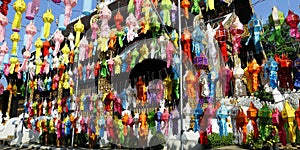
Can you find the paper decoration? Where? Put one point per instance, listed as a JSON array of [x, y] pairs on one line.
[[58, 38], [56, 1], [131, 25], [222, 114], [173, 12], [87, 7], [255, 27], [3, 23], [198, 46], [170, 51], [293, 20], [61, 23], [186, 39], [165, 118], [29, 12], [185, 4], [38, 62], [222, 36], [69, 5], [288, 114], [273, 68], [198, 112], [15, 38], [48, 19], [4, 7], [276, 19], [138, 8], [20, 7], [166, 6], [212, 56], [278, 121], [196, 7], [3, 52], [78, 28], [254, 69], [285, 72], [236, 29], [30, 32], [118, 20], [65, 50]]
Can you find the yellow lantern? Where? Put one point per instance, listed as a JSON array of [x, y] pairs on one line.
[[288, 114], [65, 50], [15, 38], [78, 28], [48, 19], [38, 44], [20, 7]]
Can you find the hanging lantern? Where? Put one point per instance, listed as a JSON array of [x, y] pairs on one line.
[[255, 27], [276, 19], [20, 7], [225, 77], [222, 115], [87, 7], [265, 116], [273, 68], [297, 115], [236, 29], [285, 72], [15, 38], [252, 115], [173, 12], [78, 28], [186, 39], [212, 56], [30, 32], [4, 7], [241, 123], [61, 23], [38, 44], [254, 70], [58, 38], [293, 20], [94, 28], [198, 37], [48, 19], [185, 4], [118, 20], [166, 6], [65, 50], [3, 23], [46, 46], [3, 52], [222, 36], [70, 4], [233, 112], [288, 114], [29, 13]]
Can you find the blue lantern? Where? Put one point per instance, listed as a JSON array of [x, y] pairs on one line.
[[61, 23], [87, 7], [222, 115]]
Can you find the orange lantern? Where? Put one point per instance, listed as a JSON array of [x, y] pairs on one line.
[[252, 113], [254, 69]]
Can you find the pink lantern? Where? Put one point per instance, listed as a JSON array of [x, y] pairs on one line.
[[94, 28], [3, 51], [26, 56], [32, 9], [293, 20], [3, 23], [236, 29], [70, 4], [30, 31], [58, 38]]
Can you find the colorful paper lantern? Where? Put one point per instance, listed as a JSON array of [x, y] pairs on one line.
[[186, 39], [87, 7], [252, 113], [241, 124], [288, 114], [48, 19], [78, 28], [222, 114], [38, 44], [20, 7], [15, 38], [166, 6], [265, 116], [293, 20], [236, 29], [285, 72], [278, 121], [185, 4], [221, 36], [254, 69], [297, 115], [3, 52], [276, 19], [118, 20], [30, 32], [61, 23], [173, 12], [255, 28], [69, 5], [58, 38], [4, 7], [3, 23]]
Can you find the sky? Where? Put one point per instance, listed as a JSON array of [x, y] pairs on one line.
[[262, 9]]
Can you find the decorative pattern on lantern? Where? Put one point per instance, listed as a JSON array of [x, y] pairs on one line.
[[3, 23], [78, 28], [15, 38], [48, 19], [236, 29], [293, 20], [276, 18], [20, 7], [252, 115], [254, 69], [221, 36], [255, 27], [288, 114], [4, 7], [265, 118]]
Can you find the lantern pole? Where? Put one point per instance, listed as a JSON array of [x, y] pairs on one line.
[[181, 75]]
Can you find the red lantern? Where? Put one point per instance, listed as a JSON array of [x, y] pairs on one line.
[[236, 29], [221, 36], [4, 7], [292, 20], [118, 20], [297, 114]]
